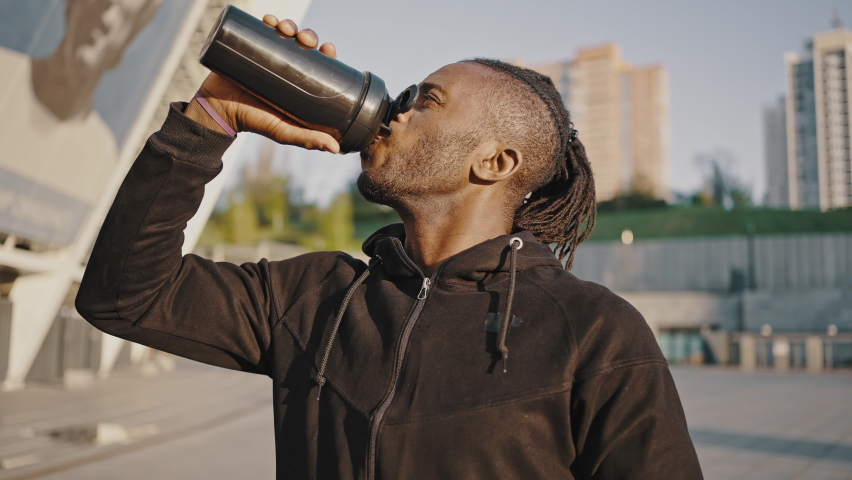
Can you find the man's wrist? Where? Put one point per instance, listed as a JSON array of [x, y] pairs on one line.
[[196, 112], [187, 140]]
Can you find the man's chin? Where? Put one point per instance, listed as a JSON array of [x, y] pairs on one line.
[[371, 190]]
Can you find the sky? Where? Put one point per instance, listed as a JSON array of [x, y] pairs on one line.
[[724, 59]]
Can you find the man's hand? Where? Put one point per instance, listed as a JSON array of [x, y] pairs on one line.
[[246, 113]]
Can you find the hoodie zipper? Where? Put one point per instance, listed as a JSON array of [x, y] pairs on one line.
[[402, 347]]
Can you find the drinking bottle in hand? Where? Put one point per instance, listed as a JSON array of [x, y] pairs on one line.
[[317, 91]]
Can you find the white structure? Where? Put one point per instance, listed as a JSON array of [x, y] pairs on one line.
[[818, 126], [47, 273]]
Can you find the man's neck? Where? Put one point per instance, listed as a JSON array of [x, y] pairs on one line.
[[438, 232]]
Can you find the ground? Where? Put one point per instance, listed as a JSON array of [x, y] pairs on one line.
[[202, 422]]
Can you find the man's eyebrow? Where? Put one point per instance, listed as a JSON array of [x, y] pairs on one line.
[[426, 86]]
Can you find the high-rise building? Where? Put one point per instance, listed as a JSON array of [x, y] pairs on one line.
[[645, 157], [622, 114], [775, 154], [818, 126]]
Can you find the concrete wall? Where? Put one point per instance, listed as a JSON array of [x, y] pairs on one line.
[[799, 311], [667, 310], [785, 311], [781, 262]]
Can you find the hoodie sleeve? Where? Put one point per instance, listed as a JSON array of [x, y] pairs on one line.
[[139, 286], [630, 424], [627, 418]]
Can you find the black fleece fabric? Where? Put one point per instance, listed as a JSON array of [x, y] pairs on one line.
[[415, 387]]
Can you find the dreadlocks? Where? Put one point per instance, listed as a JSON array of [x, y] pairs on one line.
[[555, 188]]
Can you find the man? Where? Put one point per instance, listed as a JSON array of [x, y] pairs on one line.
[[463, 350]]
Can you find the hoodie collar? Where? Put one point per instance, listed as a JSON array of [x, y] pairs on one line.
[[473, 264]]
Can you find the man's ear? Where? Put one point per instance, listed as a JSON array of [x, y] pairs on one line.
[[498, 164]]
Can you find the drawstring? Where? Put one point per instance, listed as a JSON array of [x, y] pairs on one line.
[[324, 363], [507, 320], [515, 244]]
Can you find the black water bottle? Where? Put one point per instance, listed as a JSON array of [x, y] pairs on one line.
[[316, 91]]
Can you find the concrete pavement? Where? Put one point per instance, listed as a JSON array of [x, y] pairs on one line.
[[767, 425], [45, 430], [201, 422], [242, 448]]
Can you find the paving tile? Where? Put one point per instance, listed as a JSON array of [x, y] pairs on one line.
[[166, 406], [744, 425], [827, 471], [767, 425], [840, 453]]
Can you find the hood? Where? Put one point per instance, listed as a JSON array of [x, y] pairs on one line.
[[473, 264]]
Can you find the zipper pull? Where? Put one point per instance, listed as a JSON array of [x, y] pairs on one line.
[[424, 289]]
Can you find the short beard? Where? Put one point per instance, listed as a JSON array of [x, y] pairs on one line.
[[372, 190], [428, 169]]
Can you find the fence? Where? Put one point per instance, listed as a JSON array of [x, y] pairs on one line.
[[71, 343], [814, 352]]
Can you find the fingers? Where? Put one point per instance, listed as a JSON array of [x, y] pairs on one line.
[[328, 49], [288, 28], [270, 20], [312, 140], [305, 38], [286, 132]]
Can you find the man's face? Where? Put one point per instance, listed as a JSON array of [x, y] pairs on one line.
[[429, 152]]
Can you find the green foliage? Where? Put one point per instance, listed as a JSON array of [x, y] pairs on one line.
[[260, 209], [680, 221], [242, 222], [336, 224], [212, 232], [330, 229], [722, 187], [632, 200], [369, 217]]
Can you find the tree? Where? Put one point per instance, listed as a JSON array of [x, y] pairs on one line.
[[336, 224], [265, 206], [241, 222], [369, 217], [722, 187], [269, 193]]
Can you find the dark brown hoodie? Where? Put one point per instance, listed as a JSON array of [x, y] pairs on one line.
[[413, 382]]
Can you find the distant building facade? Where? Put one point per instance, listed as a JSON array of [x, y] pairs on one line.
[[775, 154], [819, 163], [622, 114]]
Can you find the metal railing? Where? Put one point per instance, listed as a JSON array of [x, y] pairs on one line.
[[812, 352]]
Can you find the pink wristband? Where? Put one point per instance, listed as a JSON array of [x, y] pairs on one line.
[[206, 106]]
